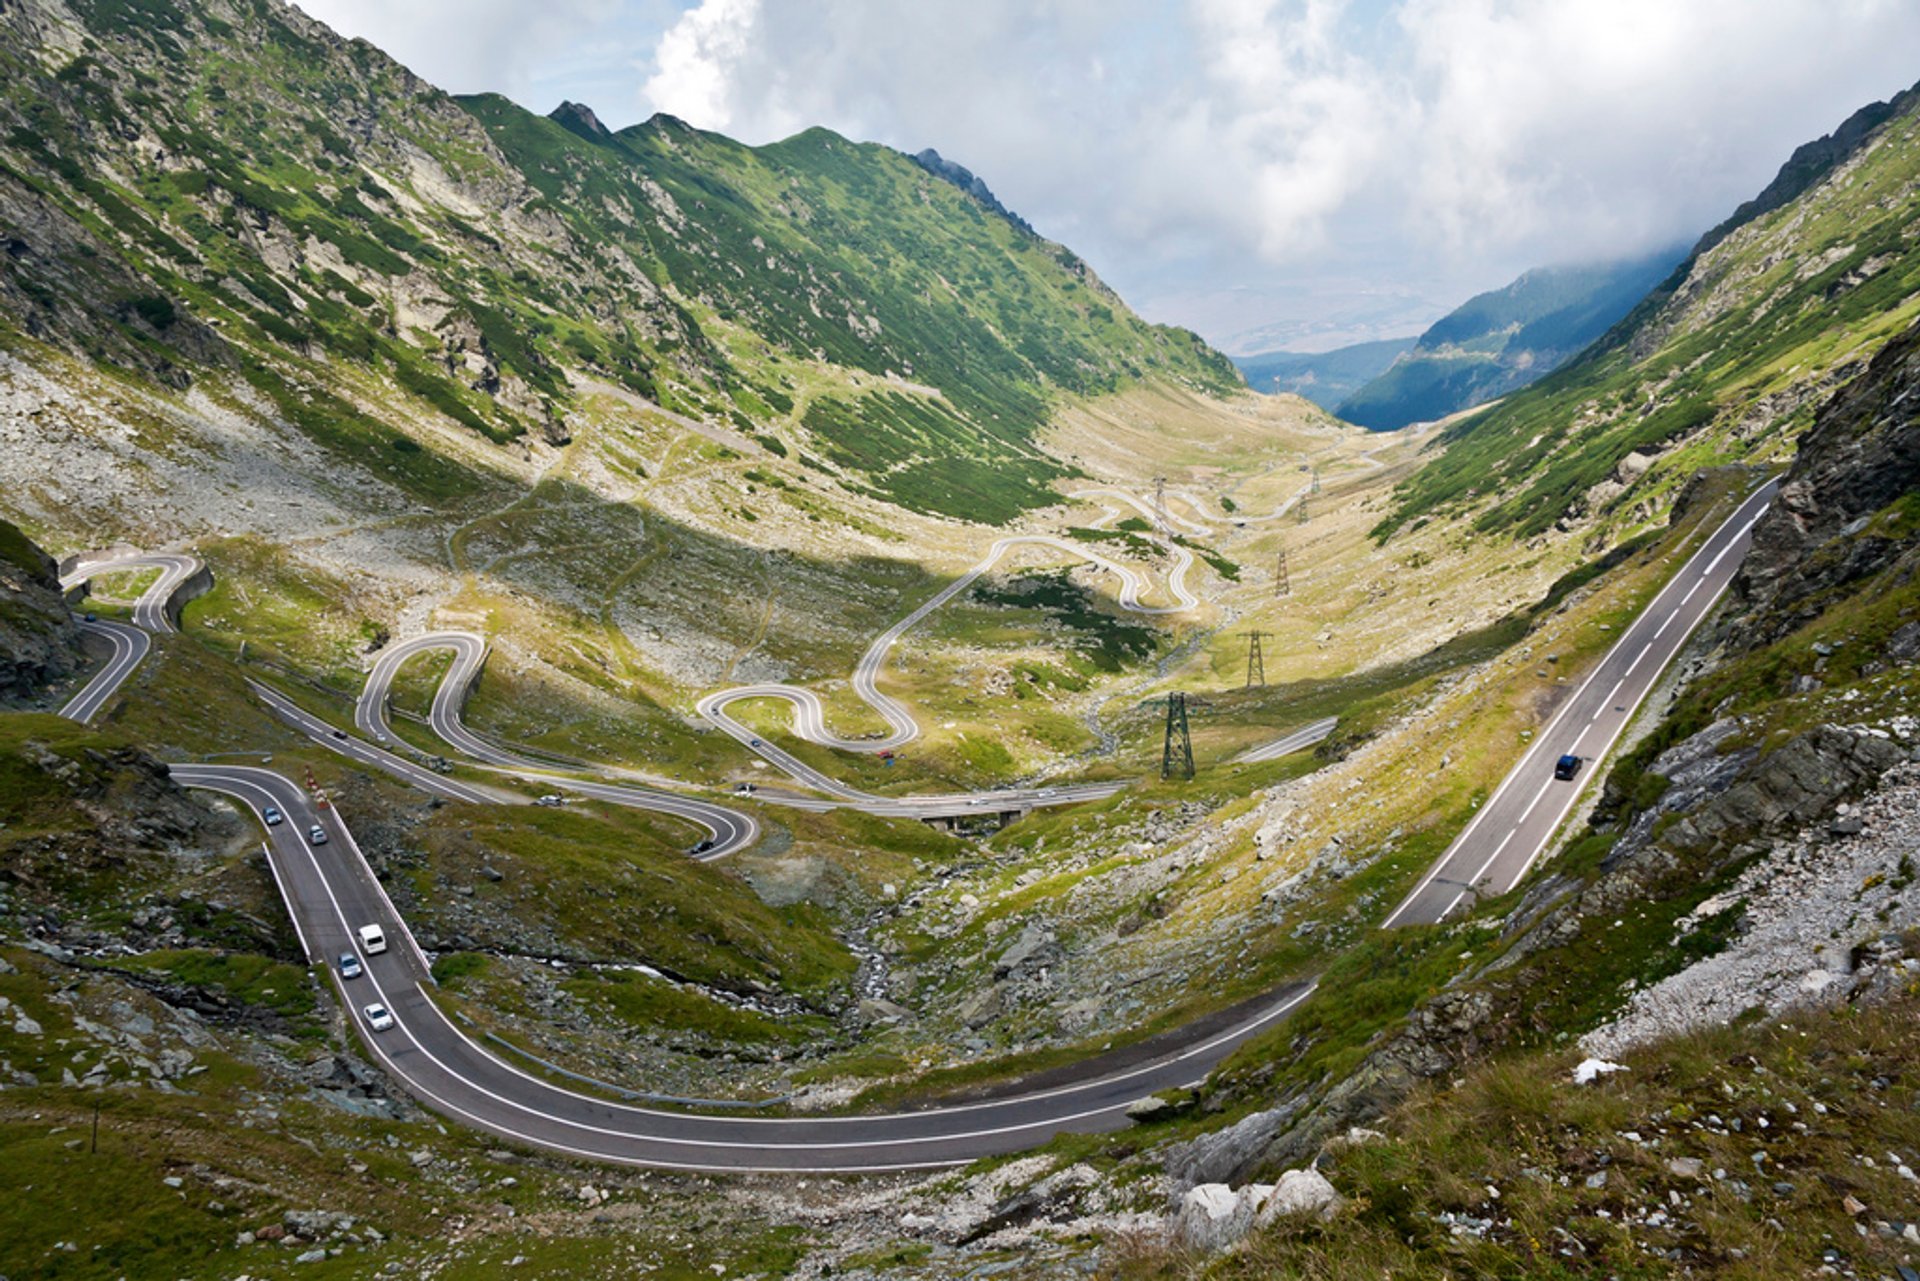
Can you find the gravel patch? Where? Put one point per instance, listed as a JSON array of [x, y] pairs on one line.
[[1805, 910]]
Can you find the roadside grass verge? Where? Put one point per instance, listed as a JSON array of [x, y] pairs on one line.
[[1787, 1120]]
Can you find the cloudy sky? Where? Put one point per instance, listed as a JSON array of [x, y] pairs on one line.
[[1275, 173]]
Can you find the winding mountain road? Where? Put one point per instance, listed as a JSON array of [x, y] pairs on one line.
[[130, 645], [1517, 823], [152, 612], [809, 721], [331, 892], [729, 829]]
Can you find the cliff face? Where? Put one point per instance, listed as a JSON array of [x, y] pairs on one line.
[[1860, 459], [39, 643]]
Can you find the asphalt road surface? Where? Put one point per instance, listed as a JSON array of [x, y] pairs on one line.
[[1518, 821], [1300, 739], [130, 645], [810, 714], [729, 829], [331, 893], [151, 613]]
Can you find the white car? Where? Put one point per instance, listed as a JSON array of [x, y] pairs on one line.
[[373, 940], [379, 1017]]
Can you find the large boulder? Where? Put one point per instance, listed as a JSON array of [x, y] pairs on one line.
[[1232, 1152], [1214, 1217], [1299, 1192]]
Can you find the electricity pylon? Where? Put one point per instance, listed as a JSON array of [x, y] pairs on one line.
[[1179, 757], [1256, 662], [1281, 585]]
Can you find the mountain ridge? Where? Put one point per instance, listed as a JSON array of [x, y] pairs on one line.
[[234, 188], [1723, 361], [1503, 339]]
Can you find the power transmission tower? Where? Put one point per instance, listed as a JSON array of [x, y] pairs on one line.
[[1181, 758], [1300, 510], [1313, 481], [1281, 585], [1160, 504], [1256, 662]]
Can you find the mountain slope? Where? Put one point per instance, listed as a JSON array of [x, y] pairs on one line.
[[231, 190], [1502, 339], [1326, 378], [1723, 362]]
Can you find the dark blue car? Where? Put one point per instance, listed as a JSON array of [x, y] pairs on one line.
[[1567, 766]]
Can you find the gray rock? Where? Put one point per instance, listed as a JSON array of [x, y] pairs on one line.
[[1151, 1108], [1234, 1151], [1861, 454], [983, 1007], [876, 1010], [1035, 949], [39, 641], [1299, 1192], [1212, 1217], [1904, 645]]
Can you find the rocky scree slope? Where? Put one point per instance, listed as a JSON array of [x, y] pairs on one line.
[[1793, 706], [230, 191], [39, 643], [1723, 362]]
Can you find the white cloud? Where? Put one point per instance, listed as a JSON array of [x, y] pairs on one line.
[[470, 46], [698, 58], [1208, 154], [1453, 140]]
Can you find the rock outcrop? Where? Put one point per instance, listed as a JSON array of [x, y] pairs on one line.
[[1215, 1216], [39, 642], [1861, 455], [965, 179]]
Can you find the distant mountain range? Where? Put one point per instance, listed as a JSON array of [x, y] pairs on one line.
[[1326, 378], [1724, 360], [1502, 340]]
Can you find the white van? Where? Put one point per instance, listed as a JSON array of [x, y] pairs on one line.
[[372, 941]]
